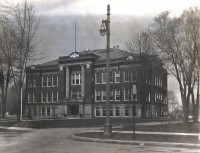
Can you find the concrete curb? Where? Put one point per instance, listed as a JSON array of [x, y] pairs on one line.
[[131, 142]]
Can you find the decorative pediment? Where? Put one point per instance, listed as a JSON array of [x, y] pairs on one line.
[[74, 55]]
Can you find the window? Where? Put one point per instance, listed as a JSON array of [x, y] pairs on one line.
[[73, 94], [49, 78], [54, 96], [103, 77], [34, 82], [111, 112], [34, 111], [35, 98], [44, 99], [76, 79], [79, 94], [111, 95], [103, 111], [43, 111], [117, 95], [48, 112], [117, 111], [44, 81], [49, 97], [97, 96], [55, 80], [97, 111], [134, 76], [30, 82], [98, 78], [126, 78], [126, 94], [30, 97], [103, 95], [117, 77], [126, 112], [111, 77]]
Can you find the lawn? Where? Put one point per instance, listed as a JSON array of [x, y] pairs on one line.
[[175, 128]]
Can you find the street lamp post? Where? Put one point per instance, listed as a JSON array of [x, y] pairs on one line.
[[105, 29]]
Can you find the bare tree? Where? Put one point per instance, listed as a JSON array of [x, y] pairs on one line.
[[26, 26], [177, 39], [7, 54], [141, 44]]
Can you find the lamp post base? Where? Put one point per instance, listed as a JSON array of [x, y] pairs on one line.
[[107, 130]]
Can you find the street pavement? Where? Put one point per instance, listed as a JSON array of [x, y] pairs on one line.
[[57, 140]]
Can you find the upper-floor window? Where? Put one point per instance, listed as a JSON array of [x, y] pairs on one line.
[[54, 96], [49, 78], [126, 78], [35, 97], [103, 77], [55, 80], [103, 95], [117, 77], [44, 81], [98, 77], [34, 82], [76, 79], [30, 82], [111, 95], [30, 97], [111, 112], [126, 94], [97, 96], [133, 76], [44, 97], [117, 95], [49, 97], [111, 77]]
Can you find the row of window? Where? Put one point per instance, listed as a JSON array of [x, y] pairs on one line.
[[100, 77], [114, 95], [101, 112], [47, 97], [50, 81]]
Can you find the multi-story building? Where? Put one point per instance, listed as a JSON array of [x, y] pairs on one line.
[[76, 85]]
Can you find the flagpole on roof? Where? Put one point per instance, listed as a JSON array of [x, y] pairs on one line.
[[75, 37]]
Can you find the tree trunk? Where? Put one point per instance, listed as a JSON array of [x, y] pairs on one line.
[[196, 108]]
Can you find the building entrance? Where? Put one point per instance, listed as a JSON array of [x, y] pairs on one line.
[[74, 109]]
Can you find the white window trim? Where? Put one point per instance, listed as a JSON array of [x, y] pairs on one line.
[[125, 77], [116, 110], [96, 78], [96, 112], [125, 112], [116, 95], [96, 96], [102, 95], [111, 91], [57, 97], [115, 76], [125, 95], [103, 77], [47, 98], [28, 98], [57, 80]]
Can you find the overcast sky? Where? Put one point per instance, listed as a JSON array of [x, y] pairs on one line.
[[127, 17], [56, 33]]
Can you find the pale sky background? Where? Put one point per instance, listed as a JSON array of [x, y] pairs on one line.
[[127, 17]]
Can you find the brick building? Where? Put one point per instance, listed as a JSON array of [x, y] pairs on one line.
[[75, 85]]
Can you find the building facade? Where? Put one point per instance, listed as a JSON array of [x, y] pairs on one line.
[[75, 85]]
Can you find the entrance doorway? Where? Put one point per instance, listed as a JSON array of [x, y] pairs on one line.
[[74, 109]]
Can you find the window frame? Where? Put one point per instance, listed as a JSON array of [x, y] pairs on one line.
[[117, 95], [117, 76]]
